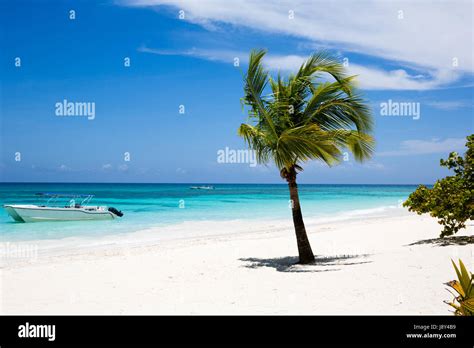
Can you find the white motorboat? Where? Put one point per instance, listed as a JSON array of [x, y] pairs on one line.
[[70, 212]]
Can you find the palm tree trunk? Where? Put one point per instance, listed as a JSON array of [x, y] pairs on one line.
[[304, 248]]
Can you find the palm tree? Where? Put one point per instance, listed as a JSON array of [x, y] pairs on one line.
[[304, 118]]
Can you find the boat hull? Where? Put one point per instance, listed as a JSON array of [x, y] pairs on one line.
[[37, 214]]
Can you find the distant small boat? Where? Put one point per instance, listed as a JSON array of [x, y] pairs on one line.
[[71, 212], [207, 187]]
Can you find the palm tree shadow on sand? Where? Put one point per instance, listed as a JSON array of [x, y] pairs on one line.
[[320, 264]]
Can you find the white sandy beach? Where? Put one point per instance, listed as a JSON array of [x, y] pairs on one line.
[[364, 266]]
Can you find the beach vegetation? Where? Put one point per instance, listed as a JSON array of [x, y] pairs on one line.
[[463, 302], [304, 116], [451, 199]]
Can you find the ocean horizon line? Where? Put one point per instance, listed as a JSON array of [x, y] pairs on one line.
[[204, 183]]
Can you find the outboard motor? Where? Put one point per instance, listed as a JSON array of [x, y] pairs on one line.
[[115, 211]]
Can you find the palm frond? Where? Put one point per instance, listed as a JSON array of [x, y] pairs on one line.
[[306, 143], [361, 145], [322, 61], [257, 141], [255, 81], [302, 120], [333, 109]]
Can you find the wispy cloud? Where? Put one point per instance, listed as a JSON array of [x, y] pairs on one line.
[[373, 165], [373, 77], [64, 168], [123, 167], [375, 28], [425, 147], [369, 77], [449, 105], [225, 56]]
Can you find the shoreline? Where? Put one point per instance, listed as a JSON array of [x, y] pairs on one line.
[[202, 229], [364, 266]]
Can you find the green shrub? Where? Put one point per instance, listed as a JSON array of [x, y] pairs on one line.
[[451, 199]]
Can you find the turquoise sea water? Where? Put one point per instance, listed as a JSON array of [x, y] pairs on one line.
[[148, 205]]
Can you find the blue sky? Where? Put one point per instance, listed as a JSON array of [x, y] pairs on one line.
[[190, 62]]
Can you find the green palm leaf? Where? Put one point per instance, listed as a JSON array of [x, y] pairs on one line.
[[301, 119]]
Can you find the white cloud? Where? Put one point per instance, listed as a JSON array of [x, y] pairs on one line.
[[449, 105], [430, 36], [208, 54], [373, 165], [107, 166], [123, 167], [369, 77], [285, 63], [64, 168], [374, 78], [425, 147]]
